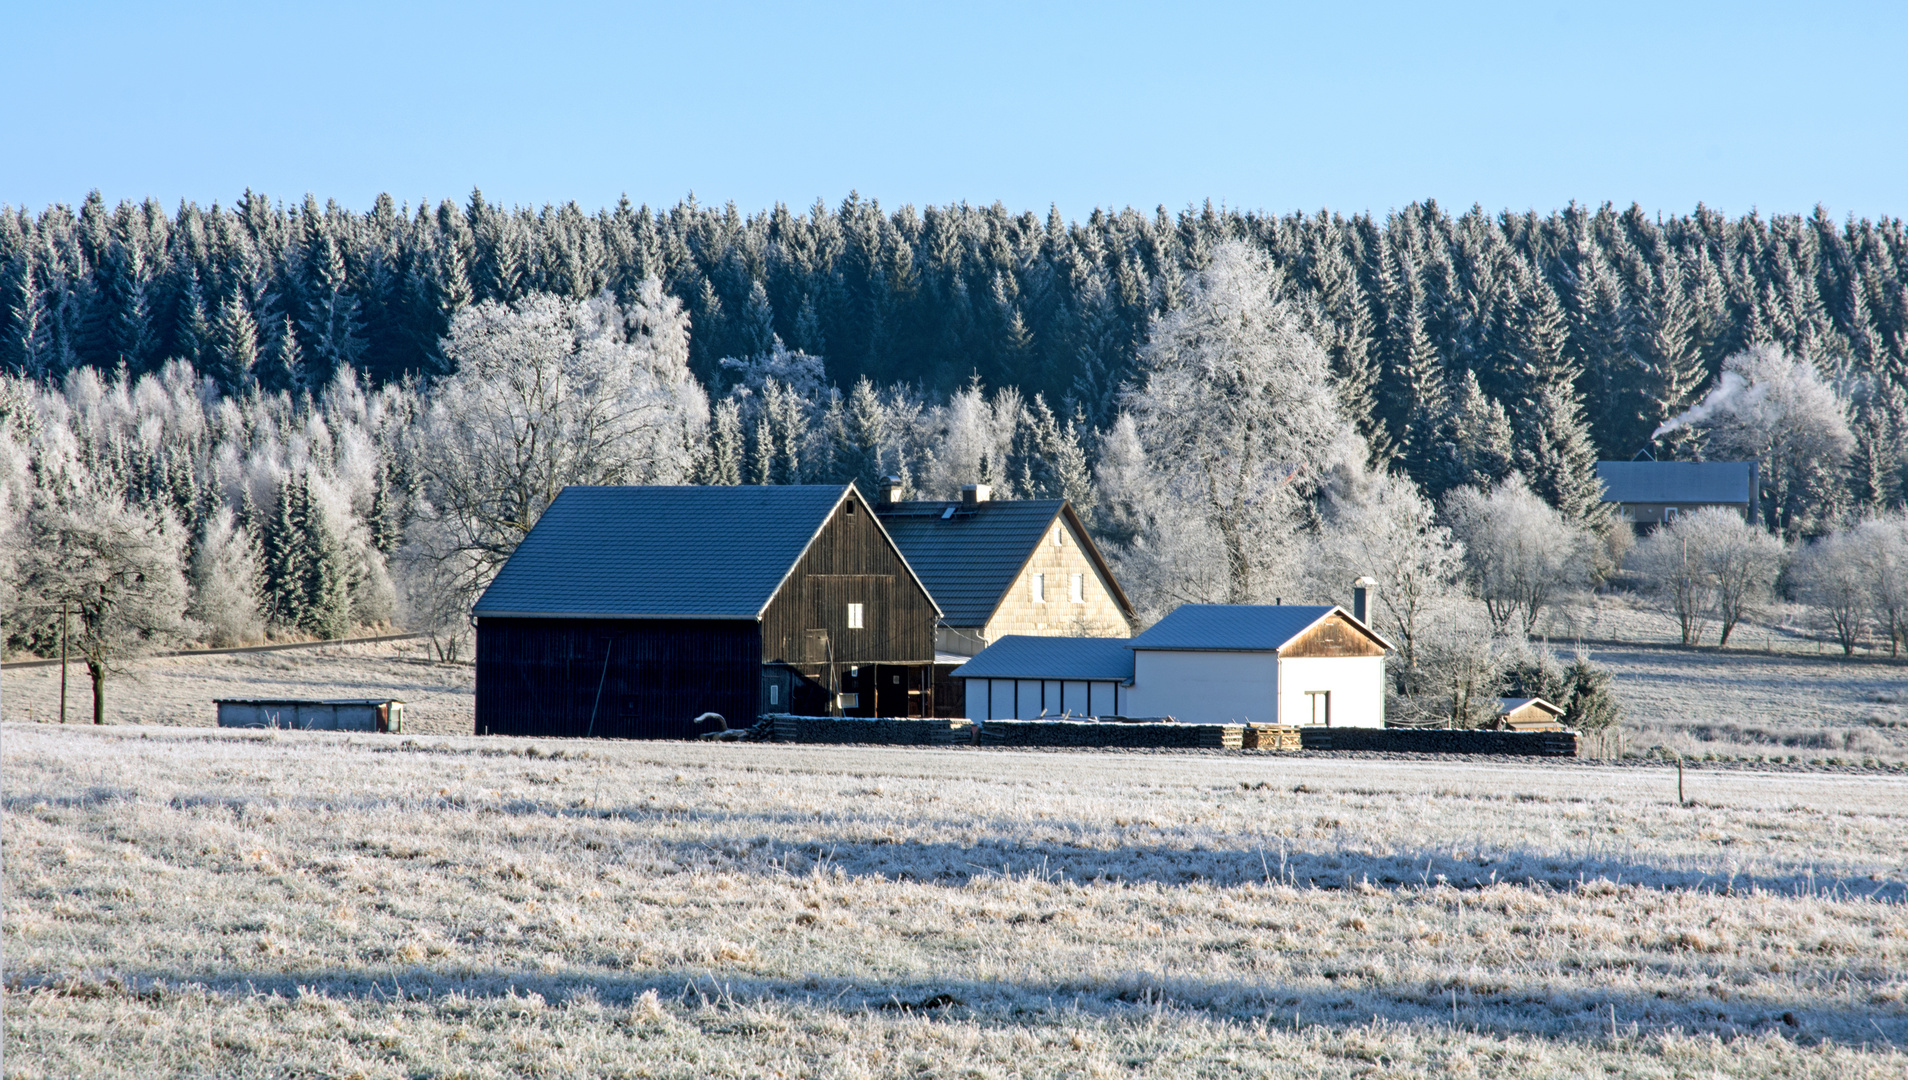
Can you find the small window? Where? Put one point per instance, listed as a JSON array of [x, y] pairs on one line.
[[775, 694], [848, 701], [1076, 589], [854, 617], [1059, 536], [851, 508], [1040, 588], [1321, 702]]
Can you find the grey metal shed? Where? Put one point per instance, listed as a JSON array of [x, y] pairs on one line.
[[333, 714]]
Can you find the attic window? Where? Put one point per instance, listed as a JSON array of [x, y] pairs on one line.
[[854, 617], [851, 508], [1059, 536], [1040, 588], [1076, 589]]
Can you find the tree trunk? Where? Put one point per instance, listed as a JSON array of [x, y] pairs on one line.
[[98, 671]]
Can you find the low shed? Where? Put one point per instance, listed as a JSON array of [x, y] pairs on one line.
[[333, 714], [1528, 714], [1025, 677]]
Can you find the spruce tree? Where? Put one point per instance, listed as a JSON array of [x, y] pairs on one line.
[[1553, 446], [284, 546], [727, 449], [1477, 436], [234, 348], [327, 572]]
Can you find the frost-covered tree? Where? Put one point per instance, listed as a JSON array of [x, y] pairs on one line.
[[115, 567], [1707, 564], [1379, 525], [547, 393], [1239, 416], [1520, 553], [1776, 410], [225, 577], [1882, 542], [1831, 578]]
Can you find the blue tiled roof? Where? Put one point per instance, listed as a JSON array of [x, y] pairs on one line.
[[660, 552], [1231, 627], [1726, 482], [969, 559], [1023, 656]]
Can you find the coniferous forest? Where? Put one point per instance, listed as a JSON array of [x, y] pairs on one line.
[[312, 409]]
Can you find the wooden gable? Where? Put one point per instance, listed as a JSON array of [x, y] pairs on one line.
[[1334, 635], [850, 561]]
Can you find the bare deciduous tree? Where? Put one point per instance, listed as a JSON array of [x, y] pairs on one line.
[[1709, 563], [115, 566], [1883, 542], [1519, 553], [1830, 577], [1378, 524]]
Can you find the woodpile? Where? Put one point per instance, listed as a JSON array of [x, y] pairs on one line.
[[1442, 741], [1270, 737]]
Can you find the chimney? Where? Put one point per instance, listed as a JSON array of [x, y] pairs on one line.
[[976, 493], [891, 489], [1361, 598]]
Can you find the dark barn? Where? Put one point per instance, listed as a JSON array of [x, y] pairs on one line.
[[630, 611]]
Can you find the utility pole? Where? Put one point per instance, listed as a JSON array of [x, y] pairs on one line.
[[63, 607]]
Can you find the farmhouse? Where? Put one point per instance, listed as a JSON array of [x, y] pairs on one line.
[[1649, 493], [1204, 663], [1015, 566], [1001, 567], [631, 611]]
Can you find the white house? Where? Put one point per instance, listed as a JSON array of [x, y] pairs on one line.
[[1260, 664], [1204, 663]]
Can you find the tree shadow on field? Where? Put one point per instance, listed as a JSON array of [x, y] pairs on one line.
[[1352, 996], [1342, 868]]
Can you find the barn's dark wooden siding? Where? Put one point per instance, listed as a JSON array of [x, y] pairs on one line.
[[541, 676], [851, 561]]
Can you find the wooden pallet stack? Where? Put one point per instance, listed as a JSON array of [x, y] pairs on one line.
[[1270, 737]]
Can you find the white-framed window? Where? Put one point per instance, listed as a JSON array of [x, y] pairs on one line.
[[1059, 535], [775, 694], [1040, 588], [854, 617], [1076, 589]]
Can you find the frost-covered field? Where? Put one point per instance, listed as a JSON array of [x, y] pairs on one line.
[[183, 902], [1793, 700]]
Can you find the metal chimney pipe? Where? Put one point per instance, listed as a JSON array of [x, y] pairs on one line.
[[1361, 598]]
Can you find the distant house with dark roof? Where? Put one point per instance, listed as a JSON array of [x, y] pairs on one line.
[[1650, 493], [630, 611], [1012, 566], [1204, 663]]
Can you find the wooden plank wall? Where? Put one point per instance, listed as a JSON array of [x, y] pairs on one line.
[[851, 561]]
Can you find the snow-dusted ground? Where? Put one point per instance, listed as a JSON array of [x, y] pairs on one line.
[[236, 904]]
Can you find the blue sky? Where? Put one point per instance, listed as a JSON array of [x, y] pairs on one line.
[[1264, 106]]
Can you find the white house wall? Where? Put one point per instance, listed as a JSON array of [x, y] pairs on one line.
[[1205, 687], [1356, 683]]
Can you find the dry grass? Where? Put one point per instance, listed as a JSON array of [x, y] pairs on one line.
[[183, 903]]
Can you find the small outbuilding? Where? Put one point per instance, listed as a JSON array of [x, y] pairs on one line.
[[1528, 714], [1025, 677], [333, 714]]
